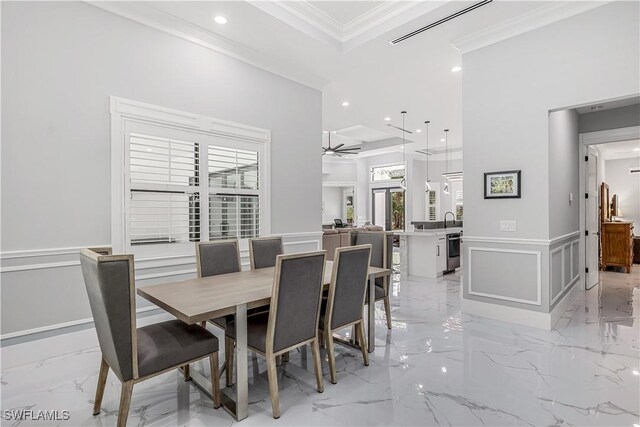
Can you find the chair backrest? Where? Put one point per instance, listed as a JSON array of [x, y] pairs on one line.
[[348, 285], [295, 299], [217, 257], [110, 284], [263, 251], [338, 222], [377, 240]]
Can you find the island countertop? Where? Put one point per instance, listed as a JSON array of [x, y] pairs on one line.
[[430, 232]]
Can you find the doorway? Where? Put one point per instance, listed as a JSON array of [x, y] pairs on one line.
[[609, 182], [387, 208]]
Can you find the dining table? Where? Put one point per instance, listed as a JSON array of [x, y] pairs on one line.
[[197, 300]]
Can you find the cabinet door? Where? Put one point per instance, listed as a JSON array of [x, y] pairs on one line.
[[441, 254]]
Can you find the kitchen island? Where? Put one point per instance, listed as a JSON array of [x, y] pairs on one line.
[[423, 253]]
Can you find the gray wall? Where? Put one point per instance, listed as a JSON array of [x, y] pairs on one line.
[[508, 90], [627, 187], [563, 173], [60, 63], [610, 119]]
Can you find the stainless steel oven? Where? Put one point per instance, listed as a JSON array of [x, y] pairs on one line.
[[453, 252]]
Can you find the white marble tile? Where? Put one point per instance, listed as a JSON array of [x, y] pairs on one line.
[[435, 367]]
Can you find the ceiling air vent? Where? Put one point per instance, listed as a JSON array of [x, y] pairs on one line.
[[425, 152], [441, 21]]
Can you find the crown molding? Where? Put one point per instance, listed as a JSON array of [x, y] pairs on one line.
[[145, 14], [305, 17], [540, 17]]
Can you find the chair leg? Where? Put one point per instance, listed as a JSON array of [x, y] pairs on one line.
[[228, 351], [387, 311], [315, 349], [203, 324], [185, 371], [273, 385], [285, 357], [278, 360], [215, 379], [328, 339], [125, 402], [102, 381], [363, 342]]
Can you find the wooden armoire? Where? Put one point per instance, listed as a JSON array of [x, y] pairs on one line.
[[616, 237]]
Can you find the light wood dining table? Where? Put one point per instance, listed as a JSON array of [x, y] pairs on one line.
[[198, 300]]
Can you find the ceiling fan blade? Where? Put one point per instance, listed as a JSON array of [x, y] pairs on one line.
[[350, 149], [336, 154], [338, 146]]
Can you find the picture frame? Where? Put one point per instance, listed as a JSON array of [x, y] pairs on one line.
[[502, 185]]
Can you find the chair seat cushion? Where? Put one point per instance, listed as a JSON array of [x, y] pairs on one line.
[[256, 331], [379, 290], [167, 344]]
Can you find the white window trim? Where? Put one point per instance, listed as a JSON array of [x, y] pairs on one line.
[[123, 110]]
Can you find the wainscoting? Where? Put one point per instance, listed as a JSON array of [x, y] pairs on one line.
[[520, 280], [43, 291]]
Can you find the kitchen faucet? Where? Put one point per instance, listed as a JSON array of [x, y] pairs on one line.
[[445, 218]]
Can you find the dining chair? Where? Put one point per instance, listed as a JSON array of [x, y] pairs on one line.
[[263, 251], [344, 306], [217, 257], [292, 319], [381, 256], [136, 354], [214, 258]]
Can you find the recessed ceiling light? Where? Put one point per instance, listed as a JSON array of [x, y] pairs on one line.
[[220, 20], [386, 119], [636, 149], [418, 130], [442, 140], [325, 131], [456, 69], [334, 132], [345, 103]]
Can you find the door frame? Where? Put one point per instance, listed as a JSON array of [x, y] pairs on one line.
[[388, 204], [585, 140], [352, 184]]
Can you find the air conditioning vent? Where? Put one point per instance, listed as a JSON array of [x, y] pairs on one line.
[[441, 21], [425, 152]]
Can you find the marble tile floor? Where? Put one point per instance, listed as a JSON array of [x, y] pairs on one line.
[[435, 367]]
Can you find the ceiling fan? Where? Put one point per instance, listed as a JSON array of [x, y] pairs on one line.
[[337, 151]]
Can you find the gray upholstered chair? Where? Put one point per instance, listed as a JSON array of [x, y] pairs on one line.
[[136, 354], [214, 258], [344, 306], [292, 319], [263, 251], [381, 256], [217, 257]]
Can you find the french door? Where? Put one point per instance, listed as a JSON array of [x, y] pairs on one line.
[[387, 208]]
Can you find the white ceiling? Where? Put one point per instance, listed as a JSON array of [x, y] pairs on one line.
[[620, 150], [342, 48]]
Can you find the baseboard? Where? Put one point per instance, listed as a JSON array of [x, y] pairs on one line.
[[568, 299], [34, 334], [63, 344], [504, 313]]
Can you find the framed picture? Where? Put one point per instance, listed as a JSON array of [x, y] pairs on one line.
[[502, 185]]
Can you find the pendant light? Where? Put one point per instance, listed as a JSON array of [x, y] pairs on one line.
[[403, 182], [427, 186], [448, 175], [445, 189]]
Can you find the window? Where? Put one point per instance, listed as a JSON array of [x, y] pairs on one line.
[[387, 173], [433, 202], [234, 196], [181, 185]]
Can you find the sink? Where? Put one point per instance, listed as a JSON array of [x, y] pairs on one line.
[[435, 225]]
